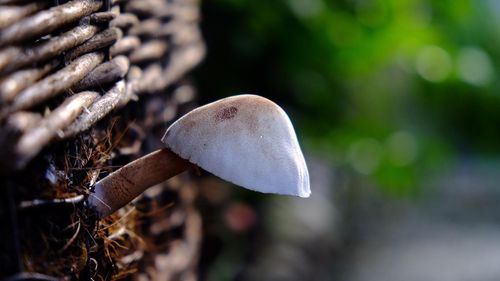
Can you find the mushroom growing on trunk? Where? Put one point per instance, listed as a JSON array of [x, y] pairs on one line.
[[246, 139]]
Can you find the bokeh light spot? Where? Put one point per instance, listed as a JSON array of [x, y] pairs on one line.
[[433, 63], [474, 66], [364, 155], [306, 8]]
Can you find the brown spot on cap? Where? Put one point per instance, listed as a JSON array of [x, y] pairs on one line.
[[226, 113]]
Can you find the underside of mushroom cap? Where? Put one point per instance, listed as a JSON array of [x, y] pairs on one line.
[[247, 140]]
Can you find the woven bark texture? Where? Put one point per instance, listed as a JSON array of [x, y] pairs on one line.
[[86, 87]]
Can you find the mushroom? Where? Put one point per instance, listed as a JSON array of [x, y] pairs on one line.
[[246, 139]]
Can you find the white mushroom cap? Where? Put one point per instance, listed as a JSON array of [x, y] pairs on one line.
[[247, 140]]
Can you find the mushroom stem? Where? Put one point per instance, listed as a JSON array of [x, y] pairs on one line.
[[122, 186]]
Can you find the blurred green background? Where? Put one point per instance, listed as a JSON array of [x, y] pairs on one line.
[[397, 107]]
